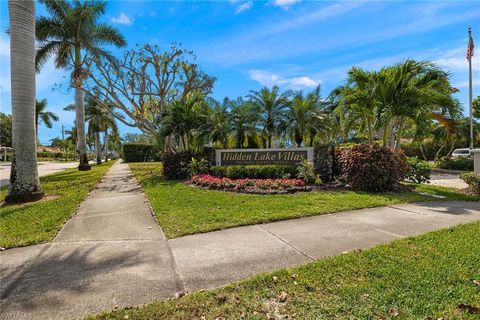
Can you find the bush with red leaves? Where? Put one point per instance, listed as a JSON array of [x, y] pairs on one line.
[[372, 168]]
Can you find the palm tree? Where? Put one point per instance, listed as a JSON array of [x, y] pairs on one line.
[[24, 183], [41, 115], [412, 90], [217, 123], [243, 121], [99, 120], [358, 103], [182, 119], [304, 117], [71, 34], [271, 106]]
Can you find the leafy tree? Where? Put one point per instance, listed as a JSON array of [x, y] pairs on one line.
[[147, 82], [5, 129], [72, 34], [476, 107], [43, 116], [271, 106]]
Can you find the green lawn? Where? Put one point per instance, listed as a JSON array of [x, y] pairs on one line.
[[36, 222], [183, 210], [433, 276]]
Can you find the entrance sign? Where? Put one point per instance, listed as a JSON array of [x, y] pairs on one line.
[[282, 156]]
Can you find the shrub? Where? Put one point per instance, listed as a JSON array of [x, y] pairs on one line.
[[372, 168], [306, 172], [176, 165], [198, 166], [419, 171], [137, 152], [463, 164], [473, 180], [324, 161], [254, 171]]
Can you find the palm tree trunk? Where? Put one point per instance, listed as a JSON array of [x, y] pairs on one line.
[[24, 183], [422, 151], [398, 146], [370, 131], [80, 112], [98, 151], [105, 144]]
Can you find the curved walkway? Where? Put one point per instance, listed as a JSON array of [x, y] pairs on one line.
[[112, 253]]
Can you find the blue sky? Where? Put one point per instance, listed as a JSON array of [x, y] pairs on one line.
[[290, 43]]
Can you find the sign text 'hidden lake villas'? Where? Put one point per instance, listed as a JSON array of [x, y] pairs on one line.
[[291, 156]]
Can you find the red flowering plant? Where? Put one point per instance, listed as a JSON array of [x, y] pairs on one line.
[[216, 183]]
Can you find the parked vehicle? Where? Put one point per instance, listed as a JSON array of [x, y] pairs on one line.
[[463, 153]]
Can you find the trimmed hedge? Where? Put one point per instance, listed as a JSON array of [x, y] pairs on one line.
[[254, 171], [372, 168], [473, 180], [176, 165], [137, 152], [463, 164]]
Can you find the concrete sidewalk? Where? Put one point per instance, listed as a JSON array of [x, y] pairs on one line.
[[113, 253]]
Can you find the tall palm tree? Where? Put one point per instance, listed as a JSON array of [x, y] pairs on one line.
[[41, 115], [24, 183], [99, 120], [358, 103], [271, 106], [243, 121], [182, 119], [217, 123], [304, 117], [412, 90], [71, 34]]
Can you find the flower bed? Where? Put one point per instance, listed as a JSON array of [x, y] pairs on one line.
[[248, 185]]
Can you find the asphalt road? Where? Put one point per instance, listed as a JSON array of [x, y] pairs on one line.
[[44, 168]]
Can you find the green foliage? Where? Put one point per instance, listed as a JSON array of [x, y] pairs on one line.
[[254, 171], [473, 180], [176, 165], [306, 171], [6, 129], [137, 152], [50, 155], [419, 171], [458, 163], [372, 168], [199, 166]]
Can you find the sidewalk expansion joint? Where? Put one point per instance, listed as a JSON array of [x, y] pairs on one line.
[[287, 243]]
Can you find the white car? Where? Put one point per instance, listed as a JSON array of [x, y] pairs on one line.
[[461, 153]]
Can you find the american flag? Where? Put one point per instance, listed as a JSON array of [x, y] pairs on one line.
[[470, 46]]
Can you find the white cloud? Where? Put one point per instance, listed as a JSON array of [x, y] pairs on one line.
[[122, 19], [244, 7], [269, 79], [455, 59], [284, 4]]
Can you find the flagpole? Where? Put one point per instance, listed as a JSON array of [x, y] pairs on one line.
[[470, 91]]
